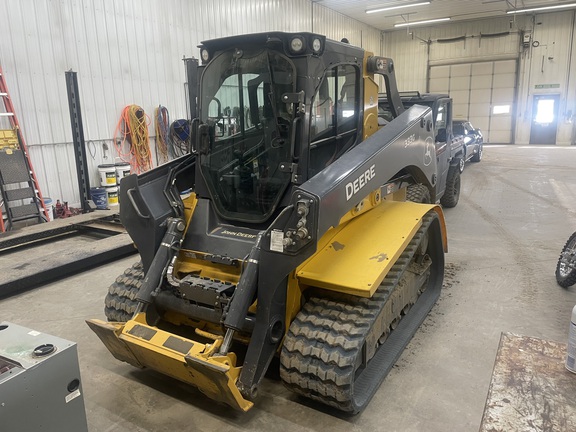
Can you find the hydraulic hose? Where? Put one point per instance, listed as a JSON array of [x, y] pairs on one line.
[[170, 245]]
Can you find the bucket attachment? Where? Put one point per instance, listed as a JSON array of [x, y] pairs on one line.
[[192, 362]]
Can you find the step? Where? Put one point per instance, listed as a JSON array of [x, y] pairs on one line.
[[19, 194], [26, 211]]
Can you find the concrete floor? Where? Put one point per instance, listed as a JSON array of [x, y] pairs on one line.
[[517, 208]]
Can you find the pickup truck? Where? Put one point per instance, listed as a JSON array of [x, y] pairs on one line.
[[449, 147]]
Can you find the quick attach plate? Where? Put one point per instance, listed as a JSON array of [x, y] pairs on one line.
[[207, 292]]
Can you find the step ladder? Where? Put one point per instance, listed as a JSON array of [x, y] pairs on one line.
[[20, 196]]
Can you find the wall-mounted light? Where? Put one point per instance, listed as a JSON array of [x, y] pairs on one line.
[[406, 24], [541, 8], [388, 8]]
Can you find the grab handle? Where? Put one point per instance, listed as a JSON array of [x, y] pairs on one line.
[[133, 201]]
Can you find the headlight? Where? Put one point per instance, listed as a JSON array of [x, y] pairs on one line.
[[316, 45], [205, 55], [297, 44]]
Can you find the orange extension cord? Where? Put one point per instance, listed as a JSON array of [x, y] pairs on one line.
[[132, 133]]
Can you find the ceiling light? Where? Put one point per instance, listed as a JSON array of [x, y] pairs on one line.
[[406, 24], [368, 11], [568, 5]]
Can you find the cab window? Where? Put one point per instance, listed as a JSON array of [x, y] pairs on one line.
[[442, 121], [334, 116]]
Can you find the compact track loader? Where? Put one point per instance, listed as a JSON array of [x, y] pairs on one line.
[[287, 231]]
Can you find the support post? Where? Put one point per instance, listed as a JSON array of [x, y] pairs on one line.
[[78, 141]]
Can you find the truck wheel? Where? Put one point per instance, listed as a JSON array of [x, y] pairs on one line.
[[566, 267], [418, 193], [478, 155], [452, 193], [120, 302], [461, 164]]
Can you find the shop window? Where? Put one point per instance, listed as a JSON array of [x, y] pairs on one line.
[[501, 109]]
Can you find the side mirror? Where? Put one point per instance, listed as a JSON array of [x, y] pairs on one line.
[[441, 135], [205, 138]]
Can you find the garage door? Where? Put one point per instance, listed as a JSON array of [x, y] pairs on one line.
[[482, 92]]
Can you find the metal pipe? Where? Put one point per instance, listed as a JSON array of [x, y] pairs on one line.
[[225, 347], [166, 301]]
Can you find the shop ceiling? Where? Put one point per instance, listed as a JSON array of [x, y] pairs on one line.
[[403, 12]]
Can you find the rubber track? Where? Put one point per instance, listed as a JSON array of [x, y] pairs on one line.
[[120, 302], [325, 339]]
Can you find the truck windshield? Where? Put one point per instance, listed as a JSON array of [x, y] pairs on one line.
[[241, 100]]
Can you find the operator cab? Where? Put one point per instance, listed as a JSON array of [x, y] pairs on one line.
[[241, 103], [275, 109]]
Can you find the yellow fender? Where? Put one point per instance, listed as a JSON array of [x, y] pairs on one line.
[[355, 257]]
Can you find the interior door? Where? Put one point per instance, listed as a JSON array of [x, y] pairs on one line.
[[544, 119]]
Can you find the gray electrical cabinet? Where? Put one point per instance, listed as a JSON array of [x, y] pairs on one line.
[[40, 386]]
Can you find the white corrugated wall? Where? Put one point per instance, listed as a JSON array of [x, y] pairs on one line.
[[125, 52], [548, 63], [336, 26], [415, 48]]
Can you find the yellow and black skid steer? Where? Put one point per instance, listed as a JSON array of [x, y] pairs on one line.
[[286, 231]]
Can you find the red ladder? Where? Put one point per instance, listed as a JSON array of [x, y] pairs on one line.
[[16, 169]]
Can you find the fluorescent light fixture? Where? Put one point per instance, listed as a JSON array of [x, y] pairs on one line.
[[406, 24], [383, 9], [541, 8]]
